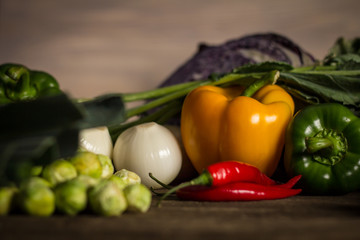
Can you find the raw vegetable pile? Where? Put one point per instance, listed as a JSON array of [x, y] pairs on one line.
[[239, 105], [85, 182]]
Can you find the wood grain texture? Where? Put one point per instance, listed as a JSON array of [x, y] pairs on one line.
[[94, 47], [296, 218]]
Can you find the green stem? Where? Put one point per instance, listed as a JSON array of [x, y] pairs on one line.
[[163, 100], [204, 179], [327, 147], [159, 92], [183, 89], [328, 72], [233, 78], [313, 68], [172, 111], [269, 78], [159, 116], [314, 144], [159, 182]]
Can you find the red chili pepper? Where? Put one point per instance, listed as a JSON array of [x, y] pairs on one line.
[[290, 183], [236, 191], [227, 172], [232, 171]]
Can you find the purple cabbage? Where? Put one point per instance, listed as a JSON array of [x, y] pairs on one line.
[[224, 58]]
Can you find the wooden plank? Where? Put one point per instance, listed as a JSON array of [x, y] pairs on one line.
[[299, 217]]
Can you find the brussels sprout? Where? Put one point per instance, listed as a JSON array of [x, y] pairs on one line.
[[121, 183], [34, 182], [59, 171], [87, 180], [107, 166], [6, 199], [36, 170], [87, 163], [36, 198], [138, 197], [107, 199], [71, 197], [128, 176]]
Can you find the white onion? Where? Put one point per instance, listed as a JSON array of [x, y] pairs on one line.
[[187, 171], [148, 148], [96, 140]]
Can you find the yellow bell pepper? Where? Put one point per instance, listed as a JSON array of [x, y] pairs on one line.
[[218, 125]]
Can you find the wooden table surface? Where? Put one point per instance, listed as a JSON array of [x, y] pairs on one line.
[[94, 47], [299, 217]]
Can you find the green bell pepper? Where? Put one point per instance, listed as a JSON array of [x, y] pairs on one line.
[[323, 145], [18, 83]]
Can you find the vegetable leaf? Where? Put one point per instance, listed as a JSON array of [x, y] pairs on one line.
[[326, 87], [348, 61], [40, 131], [103, 110]]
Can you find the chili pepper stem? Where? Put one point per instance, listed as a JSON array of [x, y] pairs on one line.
[[155, 192], [203, 179], [159, 182]]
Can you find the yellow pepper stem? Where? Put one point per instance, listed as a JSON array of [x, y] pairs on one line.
[[269, 78]]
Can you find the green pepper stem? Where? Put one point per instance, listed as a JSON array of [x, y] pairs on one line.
[[267, 79], [21, 84], [327, 147], [314, 144]]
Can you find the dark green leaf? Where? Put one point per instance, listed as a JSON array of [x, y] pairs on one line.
[[326, 87], [45, 129], [43, 115], [348, 61], [104, 110], [344, 46]]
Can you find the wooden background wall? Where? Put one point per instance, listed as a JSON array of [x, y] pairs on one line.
[[93, 47]]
